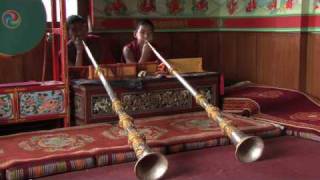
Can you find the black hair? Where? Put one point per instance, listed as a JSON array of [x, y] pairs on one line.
[[75, 19], [144, 22]]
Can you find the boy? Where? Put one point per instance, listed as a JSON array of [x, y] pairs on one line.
[[78, 32], [137, 51]]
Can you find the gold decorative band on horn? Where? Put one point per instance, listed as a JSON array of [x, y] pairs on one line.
[[117, 106], [172, 71], [150, 165], [226, 127], [125, 121], [137, 141], [212, 111], [98, 71], [201, 100]]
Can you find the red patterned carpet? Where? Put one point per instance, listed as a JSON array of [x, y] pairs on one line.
[[298, 112], [285, 158], [43, 153], [36, 154]]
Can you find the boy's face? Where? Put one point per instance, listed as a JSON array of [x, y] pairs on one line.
[[143, 33], [78, 30]]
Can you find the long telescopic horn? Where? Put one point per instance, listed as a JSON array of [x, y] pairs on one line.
[[150, 165], [248, 148]]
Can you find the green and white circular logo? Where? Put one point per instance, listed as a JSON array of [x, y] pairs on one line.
[[11, 19]]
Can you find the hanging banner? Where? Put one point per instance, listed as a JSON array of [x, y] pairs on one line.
[[165, 14], [207, 15]]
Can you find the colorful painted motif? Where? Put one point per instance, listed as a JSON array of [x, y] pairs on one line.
[[150, 132], [148, 101], [232, 6], [146, 6], [209, 15], [275, 5], [199, 124], [175, 6], [316, 4], [200, 6], [262, 7], [101, 105], [251, 6], [306, 116], [11, 19], [41, 103], [6, 107], [165, 8], [214, 8], [155, 100], [55, 142], [271, 7], [116, 7], [207, 92], [272, 94]]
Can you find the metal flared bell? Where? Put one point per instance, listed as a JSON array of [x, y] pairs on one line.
[[249, 149], [151, 166]]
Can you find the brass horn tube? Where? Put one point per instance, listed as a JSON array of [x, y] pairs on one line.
[[248, 148], [150, 165]]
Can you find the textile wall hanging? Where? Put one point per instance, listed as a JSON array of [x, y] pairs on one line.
[[208, 15]]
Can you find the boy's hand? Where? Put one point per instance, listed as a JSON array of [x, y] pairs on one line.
[[78, 44], [146, 53], [146, 50]]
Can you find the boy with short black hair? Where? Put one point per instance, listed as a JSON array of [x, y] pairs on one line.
[[137, 51], [78, 32]]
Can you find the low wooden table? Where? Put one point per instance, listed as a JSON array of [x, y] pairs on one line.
[[141, 97]]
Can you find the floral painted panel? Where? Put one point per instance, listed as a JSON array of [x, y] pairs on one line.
[[208, 94], [157, 100], [41, 103], [139, 102], [152, 101], [6, 106], [101, 105]]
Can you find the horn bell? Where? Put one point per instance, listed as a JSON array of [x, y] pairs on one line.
[[151, 166], [249, 149]]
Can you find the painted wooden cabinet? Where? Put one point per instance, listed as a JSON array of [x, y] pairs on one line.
[[32, 101], [140, 97]]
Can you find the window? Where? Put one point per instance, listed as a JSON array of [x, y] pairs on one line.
[[71, 7]]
